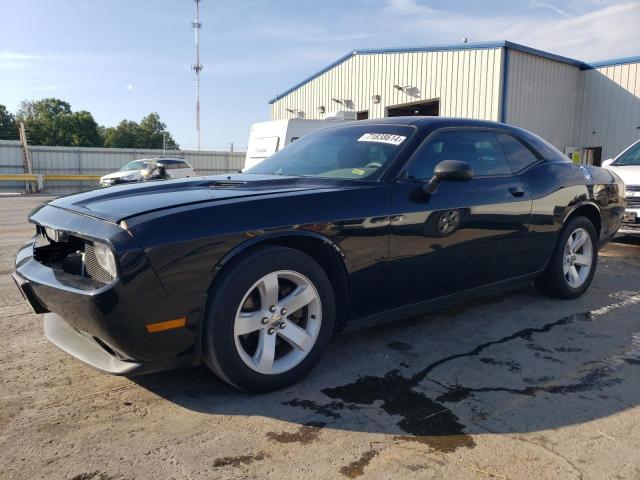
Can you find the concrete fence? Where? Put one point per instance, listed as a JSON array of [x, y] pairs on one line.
[[54, 161]]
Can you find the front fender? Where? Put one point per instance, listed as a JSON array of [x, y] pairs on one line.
[[274, 236]]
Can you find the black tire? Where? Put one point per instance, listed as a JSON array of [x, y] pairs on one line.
[[219, 349], [552, 282]]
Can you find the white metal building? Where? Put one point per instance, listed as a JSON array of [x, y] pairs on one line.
[[590, 110]]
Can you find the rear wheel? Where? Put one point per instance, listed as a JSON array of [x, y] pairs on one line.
[[270, 320], [573, 264]]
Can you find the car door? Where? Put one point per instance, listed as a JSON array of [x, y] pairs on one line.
[[185, 169], [177, 169], [466, 234]]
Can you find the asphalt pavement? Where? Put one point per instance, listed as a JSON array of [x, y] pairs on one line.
[[513, 386]]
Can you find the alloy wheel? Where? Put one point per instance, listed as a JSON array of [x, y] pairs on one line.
[[577, 258], [278, 322]]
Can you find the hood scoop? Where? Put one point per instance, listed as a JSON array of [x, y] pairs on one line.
[[226, 184]]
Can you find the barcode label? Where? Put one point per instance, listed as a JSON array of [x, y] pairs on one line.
[[382, 138]]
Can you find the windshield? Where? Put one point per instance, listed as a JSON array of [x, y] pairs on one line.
[[355, 151], [135, 165], [630, 157]]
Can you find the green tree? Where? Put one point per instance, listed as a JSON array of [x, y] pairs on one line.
[[8, 125], [45, 121], [153, 131], [84, 130], [51, 122], [125, 135], [149, 133]]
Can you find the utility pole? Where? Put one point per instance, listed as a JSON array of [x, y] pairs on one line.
[[27, 165], [197, 67], [26, 153]]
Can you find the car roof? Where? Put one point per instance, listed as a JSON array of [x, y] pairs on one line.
[[432, 122], [157, 159], [427, 125]]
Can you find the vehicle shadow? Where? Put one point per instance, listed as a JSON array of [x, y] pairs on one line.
[[514, 363], [628, 240]]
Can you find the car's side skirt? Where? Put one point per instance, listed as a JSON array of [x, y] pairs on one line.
[[445, 301]]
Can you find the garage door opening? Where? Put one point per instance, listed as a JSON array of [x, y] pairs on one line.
[[593, 156], [430, 108]]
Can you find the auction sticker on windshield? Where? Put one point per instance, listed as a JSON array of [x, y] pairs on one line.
[[382, 138]]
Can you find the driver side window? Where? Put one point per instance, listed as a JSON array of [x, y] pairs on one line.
[[480, 149]]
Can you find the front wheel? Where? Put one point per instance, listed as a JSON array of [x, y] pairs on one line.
[[573, 264], [270, 320]]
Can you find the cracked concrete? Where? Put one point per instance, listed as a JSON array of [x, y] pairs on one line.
[[514, 386]]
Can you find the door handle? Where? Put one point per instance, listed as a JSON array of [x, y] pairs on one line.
[[516, 191]]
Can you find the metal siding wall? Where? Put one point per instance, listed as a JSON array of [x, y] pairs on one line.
[[99, 161], [542, 96], [609, 113], [467, 82]]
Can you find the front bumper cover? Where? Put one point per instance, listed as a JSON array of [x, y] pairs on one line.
[[104, 325], [94, 353]]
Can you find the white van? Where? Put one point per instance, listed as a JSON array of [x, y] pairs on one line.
[[266, 138]]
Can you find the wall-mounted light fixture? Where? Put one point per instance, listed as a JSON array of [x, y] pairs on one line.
[[337, 101], [409, 90], [375, 98], [321, 109], [297, 113]]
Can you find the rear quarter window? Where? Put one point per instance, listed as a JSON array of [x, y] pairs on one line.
[[544, 148], [518, 155]]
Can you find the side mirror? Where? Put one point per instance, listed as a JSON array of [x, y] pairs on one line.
[[449, 170], [607, 162]]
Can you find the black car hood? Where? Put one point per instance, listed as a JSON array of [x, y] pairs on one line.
[[120, 202]]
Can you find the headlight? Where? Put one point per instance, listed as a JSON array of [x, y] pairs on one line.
[[56, 235], [105, 257]]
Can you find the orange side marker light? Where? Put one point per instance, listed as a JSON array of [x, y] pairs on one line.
[[168, 325]]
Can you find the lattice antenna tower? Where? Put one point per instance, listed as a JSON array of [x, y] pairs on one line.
[[197, 67]]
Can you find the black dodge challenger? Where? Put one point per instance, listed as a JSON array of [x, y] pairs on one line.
[[253, 272]]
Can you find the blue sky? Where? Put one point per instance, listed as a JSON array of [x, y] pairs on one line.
[[123, 59]]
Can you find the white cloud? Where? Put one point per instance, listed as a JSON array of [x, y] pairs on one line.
[[409, 7], [548, 6], [602, 32], [130, 87], [310, 33]]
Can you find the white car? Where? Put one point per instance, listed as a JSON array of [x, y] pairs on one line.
[[627, 167], [133, 171]]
